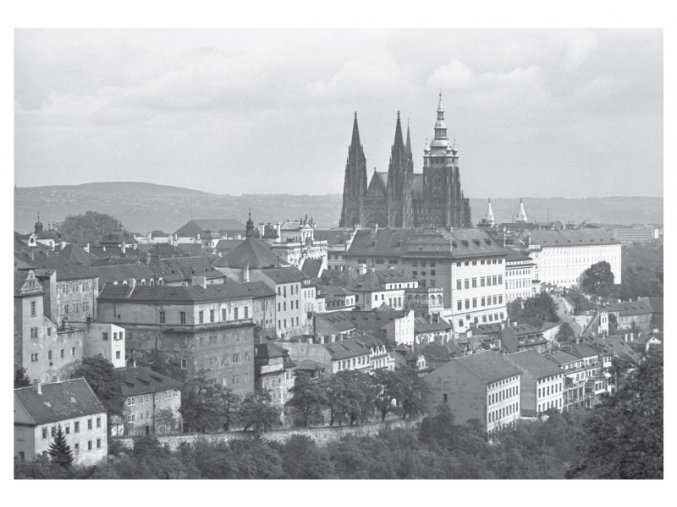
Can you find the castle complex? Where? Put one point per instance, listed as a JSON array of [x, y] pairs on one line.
[[400, 197]]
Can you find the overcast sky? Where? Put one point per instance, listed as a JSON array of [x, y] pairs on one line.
[[536, 113]]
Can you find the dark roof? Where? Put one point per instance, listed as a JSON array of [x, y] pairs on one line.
[[346, 349], [422, 325], [258, 289], [77, 254], [309, 365], [19, 280], [333, 236], [372, 319], [190, 248], [143, 380], [534, 363], [571, 237], [286, 274], [59, 401], [375, 280], [179, 269], [337, 321], [269, 350], [251, 252], [655, 303], [121, 272], [226, 245], [229, 290], [630, 308], [199, 226], [433, 352], [457, 244], [488, 366], [333, 291], [517, 257], [312, 267], [370, 341], [562, 357], [583, 350], [65, 269]]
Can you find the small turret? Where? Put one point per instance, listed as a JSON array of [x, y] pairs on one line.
[[38, 225], [522, 215], [490, 215], [249, 231]]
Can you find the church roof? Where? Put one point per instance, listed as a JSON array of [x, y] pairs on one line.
[[251, 252]]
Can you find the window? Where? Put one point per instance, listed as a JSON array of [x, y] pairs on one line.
[[467, 304], [105, 336], [77, 448], [182, 317], [474, 302], [62, 353], [68, 429], [33, 311], [49, 355], [117, 354], [235, 314], [98, 443], [211, 315], [44, 433], [89, 424], [466, 283], [459, 306], [201, 317], [444, 397], [76, 428], [474, 283], [89, 445], [34, 358], [500, 279], [223, 314], [162, 317], [34, 332]]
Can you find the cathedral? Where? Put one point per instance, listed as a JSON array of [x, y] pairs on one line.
[[401, 197]]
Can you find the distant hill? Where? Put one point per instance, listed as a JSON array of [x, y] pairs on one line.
[[143, 207]]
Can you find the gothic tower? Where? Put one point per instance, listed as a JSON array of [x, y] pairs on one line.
[[355, 182], [400, 175]]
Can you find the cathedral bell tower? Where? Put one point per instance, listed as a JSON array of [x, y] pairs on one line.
[[354, 182], [400, 176]]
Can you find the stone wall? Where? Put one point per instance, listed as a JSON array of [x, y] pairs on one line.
[[321, 435]]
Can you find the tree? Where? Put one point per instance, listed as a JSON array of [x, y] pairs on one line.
[[160, 362], [598, 280], [59, 450], [413, 393], [303, 459], [623, 439], [165, 420], [101, 377], [565, 333], [207, 405], [535, 310], [87, 228], [307, 399], [20, 378], [257, 414], [389, 390]]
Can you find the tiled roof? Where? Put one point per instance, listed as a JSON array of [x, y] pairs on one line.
[[337, 321], [370, 341], [77, 254], [517, 257], [655, 303], [333, 236], [227, 291], [333, 291], [571, 237], [65, 269], [562, 358], [198, 226], [372, 319], [534, 363], [286, 274], [422, 325], [59, 401], [630, 308], [269, 350], [251, 252], [583, 350], [346, 349], [488, 366], [376, 280], [312, 267], [178, 269], [457, 244], [121, 272], [143, 380], [226, 245], [258, 289]]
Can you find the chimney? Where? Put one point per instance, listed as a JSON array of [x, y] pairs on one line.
[[199, 280], [245, 274], [374, 228], [38, 386]]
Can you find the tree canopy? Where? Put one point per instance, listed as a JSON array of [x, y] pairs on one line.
[[535, 310], [89, 227], [100, 374], [598, 280]]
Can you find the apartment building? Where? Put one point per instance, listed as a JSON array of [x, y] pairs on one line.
[[541, 383], [519, 277]]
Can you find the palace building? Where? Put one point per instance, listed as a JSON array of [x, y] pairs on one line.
[[401, 197]]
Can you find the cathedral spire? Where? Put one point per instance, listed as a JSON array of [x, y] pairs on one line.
[[399, 142], [408, 139], [355, 141]]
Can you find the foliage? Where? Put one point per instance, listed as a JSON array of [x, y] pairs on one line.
[[624, 437], [20, 378], [207, 405], [303, 459], [642, 266], [581, 303], [565, 333], [164, 419], [256, 414], [598, 280], [413, 393], [389, 390], [87, 228], [307, 400], [535, 310], [59, 451], [101, 377], [160, 362]]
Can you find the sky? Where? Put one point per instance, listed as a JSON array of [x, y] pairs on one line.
[[535, 113]]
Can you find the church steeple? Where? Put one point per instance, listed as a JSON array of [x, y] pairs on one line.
[[355, 141], [408, 139], [398, 142], [522, 215], [250, 229], [490, 215], [355, 180]]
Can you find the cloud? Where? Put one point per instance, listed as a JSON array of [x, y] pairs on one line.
[[578, 45]]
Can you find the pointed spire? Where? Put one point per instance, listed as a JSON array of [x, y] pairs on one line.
[[440, 107], [522, 215], [490, 214], [398, 133], [355, 141], [408, 138]]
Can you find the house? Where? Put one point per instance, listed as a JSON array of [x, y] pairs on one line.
[[263, 309], [379, 358], [334, 297], [152, 403], [71, 404], [575, 393], [396, 326], [640, 313], [541, 383], [381, 287], [274, 372], [349, 354], [519, 276], [427, 330], [519, 337], [332, 327], [483, 386]]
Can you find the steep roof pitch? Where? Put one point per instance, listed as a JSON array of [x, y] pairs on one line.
[[270, 350], [59, 401], [346, 349], [285, 274], [258, 289], [65, 269], [143, 380], [534, 363], [337, 322], [514, 256], [75, 253], [422, 325], [227, 291], [251, 252], [312, 267], [583, 350], [177, 269]]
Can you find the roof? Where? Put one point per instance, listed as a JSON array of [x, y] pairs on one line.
[[285, 274], [583, 350], [252, 253], [77, 254], [422, 325], [65, 269], [457, 244], [571, 237], [534, 363], [258, 289], [630, 308], [370, 341], [190, 294], [346, 349], [655, 303], [198, 226], [333, 236], [226, 245], [59, 401], [179, 269], [370, 319], [312, 267], [333, 291], [338, 321], [269, 350], [562, 357], [375, 280], [309, 365], [120, 272], [488, 366], [517, 257], [143, 380]]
